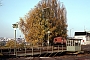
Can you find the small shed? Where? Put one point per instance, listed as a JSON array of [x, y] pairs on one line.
[[73, 45]]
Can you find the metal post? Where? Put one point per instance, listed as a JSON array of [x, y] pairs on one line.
[[44, 16], [32, 50], [25, 47], [80, 44], [58, 48], [15, 43], [25, 51], [47, 48], [62, 48], [48, 39], [40, 50], [15, 49], [70, 32], [9, 50], [52, 49]]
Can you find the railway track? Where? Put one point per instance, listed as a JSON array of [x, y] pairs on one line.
[[49, 51], [35, 51]]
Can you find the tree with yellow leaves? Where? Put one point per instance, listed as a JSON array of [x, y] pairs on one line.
[[48, 15], [11, 43]]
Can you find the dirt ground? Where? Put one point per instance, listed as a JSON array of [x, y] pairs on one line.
[[66, 57]]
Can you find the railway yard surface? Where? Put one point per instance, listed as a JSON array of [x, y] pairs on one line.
[[65, 57], [83, 56]]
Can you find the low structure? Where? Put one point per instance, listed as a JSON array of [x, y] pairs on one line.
[[73, 45]]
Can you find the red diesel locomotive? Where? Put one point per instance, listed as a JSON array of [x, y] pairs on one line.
[[59, 41]]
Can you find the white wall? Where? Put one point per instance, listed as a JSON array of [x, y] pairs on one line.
[[83, 38]]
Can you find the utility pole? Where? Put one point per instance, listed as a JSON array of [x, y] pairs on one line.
[[46, 15], [15, 26], [84, 29], [48, 37], [70, 31]]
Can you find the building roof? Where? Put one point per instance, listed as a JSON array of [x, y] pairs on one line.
[[82, 33]]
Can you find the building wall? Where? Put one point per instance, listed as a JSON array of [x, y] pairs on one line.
[[83, 41], [85, 38], [88, 38]]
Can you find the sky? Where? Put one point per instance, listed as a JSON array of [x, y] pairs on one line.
[[78, 15]]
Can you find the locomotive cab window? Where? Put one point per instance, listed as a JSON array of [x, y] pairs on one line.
[[55, 39]]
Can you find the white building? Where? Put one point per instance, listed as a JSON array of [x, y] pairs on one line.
[[85, 36]]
